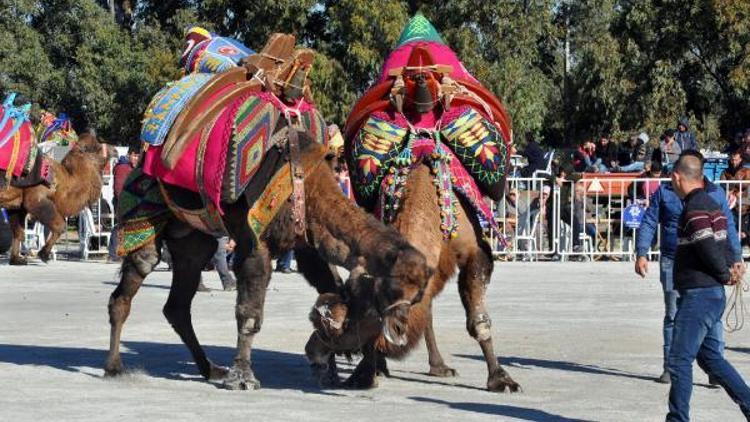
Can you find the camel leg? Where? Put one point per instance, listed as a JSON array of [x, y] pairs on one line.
[[45, 211], [189, 255], [253, 271], [472, 285], [16, 220], [135, 267], [438, 368], [365, 374], [319, 273]]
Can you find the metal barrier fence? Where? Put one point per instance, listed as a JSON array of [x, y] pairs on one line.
[[593, 218], [587, 219]]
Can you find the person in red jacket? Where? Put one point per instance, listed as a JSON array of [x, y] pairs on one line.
[[122, 170], [120, 173]]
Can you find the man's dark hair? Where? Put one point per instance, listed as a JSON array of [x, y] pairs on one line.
[[690, 165], [656, 166]]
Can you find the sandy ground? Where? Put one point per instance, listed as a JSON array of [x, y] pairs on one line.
[[583, 339]]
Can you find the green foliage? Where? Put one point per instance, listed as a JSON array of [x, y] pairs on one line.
[[631, 65]]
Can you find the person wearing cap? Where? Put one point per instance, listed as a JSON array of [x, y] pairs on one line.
[[663, 213], [684, 137], [670, 148]]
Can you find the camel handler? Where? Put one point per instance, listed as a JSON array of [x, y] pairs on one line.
[[665, 208], [703, 265]]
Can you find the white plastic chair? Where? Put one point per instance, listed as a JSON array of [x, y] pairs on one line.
[[548, 169], [529, 235]]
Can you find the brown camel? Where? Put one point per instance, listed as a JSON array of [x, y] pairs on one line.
[[77, 183], [403, 140], [337, 232]]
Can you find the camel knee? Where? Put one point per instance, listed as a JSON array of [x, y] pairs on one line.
[[249, 320], [480, 327], [143, 261]]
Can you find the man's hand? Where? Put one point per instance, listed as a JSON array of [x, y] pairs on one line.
[[641, 266], [736, 272]]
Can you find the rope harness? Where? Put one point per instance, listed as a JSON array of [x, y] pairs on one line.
[[735, 314]]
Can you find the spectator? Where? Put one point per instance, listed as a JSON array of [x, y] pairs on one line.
[[735, 163], [606, 153], [584, 158], [734, 144], [649, 187], [582, 209], [5, 234], [670, 148], [284, 262], [638, 154], [120, 173], [219, 261], [684, 137], [534, 155]]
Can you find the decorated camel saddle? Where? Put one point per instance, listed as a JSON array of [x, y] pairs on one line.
[[427, 108], [216, 138], [21, 163], [56, 130]]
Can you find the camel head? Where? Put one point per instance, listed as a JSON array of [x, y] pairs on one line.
[[95, 148], [399, 291]]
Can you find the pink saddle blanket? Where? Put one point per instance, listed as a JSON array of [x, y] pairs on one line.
[[18, 153]]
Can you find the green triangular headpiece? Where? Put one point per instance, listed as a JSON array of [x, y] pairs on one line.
[[419, 29]]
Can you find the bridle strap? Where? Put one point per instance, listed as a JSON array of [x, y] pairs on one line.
[[298, 185]]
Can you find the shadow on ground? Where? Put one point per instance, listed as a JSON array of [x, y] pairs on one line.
[[739, 349], [516, 412], [275, 370], [519, 362]]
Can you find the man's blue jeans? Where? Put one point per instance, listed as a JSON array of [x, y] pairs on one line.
[[666, 266], [634, 167], [698, 334], [284, 262]]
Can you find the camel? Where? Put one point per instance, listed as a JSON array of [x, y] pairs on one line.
[[337, 232], [404, 141], [77, 183], [286, 198]]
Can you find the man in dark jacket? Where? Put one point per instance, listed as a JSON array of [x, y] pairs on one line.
[[701, 270], [684, 137], [606, 151], [535, 156], [664, 210]]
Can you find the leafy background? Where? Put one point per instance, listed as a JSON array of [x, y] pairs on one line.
[[567, 70]]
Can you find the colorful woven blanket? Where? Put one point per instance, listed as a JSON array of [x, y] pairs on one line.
[[215, 55], [464, 136], [17, 141], [221, 160], [56, 129], [141, 211]]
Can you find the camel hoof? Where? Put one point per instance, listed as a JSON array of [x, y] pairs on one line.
[[499, 381], [44, 255], [237, 379], [327, 377], [113, 369], [361, 381], [442, 371], [217, 373], [18, 261]]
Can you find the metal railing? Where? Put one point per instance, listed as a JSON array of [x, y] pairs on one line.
[[587, 219]]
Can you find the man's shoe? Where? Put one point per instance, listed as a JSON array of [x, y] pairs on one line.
[[664, 378], [202, 287], [713, 382], [231, 285], [286, 270]]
